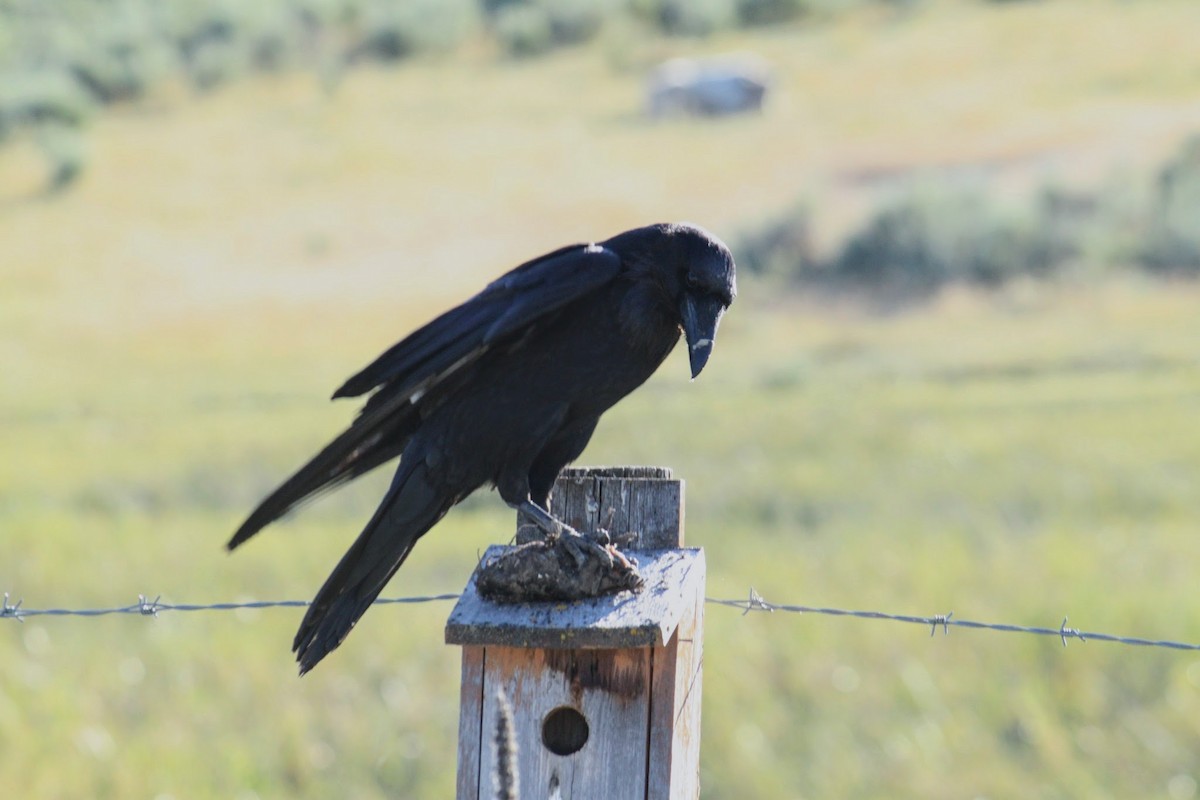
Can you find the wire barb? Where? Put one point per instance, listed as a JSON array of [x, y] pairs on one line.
[[15, 612], [756, 603], [1073, 633], [148, 609], [944, 621]]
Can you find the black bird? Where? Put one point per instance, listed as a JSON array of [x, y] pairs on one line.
[[506, 389]]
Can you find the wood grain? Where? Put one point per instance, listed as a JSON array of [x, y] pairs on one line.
[[610, 688]]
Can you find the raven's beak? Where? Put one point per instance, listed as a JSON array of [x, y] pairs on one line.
[[701, 316]]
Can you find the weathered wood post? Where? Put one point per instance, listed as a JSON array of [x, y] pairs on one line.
[[605, 692]]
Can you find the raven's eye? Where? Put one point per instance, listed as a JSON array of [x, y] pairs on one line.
[[691, 281]]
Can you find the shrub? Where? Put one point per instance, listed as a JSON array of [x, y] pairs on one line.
[[523, 30], [938, 233], [770, 12], [532, 28], [686, 17], [782, 247], [392, 31], [65, 154], [119, 62], [1171, 241], [40, 97], [576, 21], [935, 236], [931, 236], [50, 108]]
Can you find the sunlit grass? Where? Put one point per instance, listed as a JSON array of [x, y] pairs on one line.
[[1018, 472]]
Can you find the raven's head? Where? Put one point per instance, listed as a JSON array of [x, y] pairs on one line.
[[688, 275], [707, 286]]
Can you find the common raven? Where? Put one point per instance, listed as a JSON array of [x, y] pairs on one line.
[[505, 389]]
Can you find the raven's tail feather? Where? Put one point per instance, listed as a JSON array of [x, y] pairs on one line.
[[358, 450], [411, 507]]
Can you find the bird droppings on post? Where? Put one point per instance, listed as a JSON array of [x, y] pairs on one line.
[[628, 619], [564, 568]]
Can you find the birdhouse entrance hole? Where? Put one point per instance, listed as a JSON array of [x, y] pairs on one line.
[[564, 731]]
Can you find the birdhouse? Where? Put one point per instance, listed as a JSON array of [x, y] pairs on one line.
[[604, 692]]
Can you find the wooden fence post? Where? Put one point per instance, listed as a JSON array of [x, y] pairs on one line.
[[605, 692]]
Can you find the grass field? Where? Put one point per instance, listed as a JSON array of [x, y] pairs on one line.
[[169, 330]]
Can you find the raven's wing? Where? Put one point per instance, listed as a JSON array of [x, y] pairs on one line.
[[413, 370], [510, 302]]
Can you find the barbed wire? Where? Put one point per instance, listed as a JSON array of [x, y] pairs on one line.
[[754, 602], [152, 608]]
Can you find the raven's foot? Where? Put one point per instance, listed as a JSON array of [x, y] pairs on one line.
[[547, 524], [581, 546], [597, 544]]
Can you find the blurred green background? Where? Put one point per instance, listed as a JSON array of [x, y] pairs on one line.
[[963, 373]]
